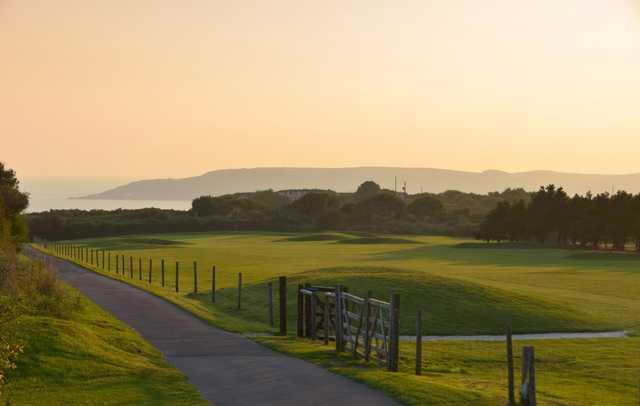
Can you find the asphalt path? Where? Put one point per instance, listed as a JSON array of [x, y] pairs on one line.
[[228, 369]]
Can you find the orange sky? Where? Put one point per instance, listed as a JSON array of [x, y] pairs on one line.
[[176, 88]]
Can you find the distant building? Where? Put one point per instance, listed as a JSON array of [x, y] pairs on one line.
[[295, 194]]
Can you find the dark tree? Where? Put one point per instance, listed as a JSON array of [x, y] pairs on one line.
[[426, 207], [367, 189]]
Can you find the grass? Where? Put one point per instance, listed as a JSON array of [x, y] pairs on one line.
[[572, 372], [461, 291], [91, 358]]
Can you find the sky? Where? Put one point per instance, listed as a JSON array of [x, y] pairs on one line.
[[166, 88]]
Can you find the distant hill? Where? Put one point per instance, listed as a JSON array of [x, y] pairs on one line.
[[227, 181]]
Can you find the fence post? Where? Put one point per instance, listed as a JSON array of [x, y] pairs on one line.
[[195, 277], [510, 374], [312, 319], [367, 327], [239, 290], [109, 261], [300, 319], [213, 284], [270, 301], [150, 270], [327, 316], [122, 257], [140, 268], [177, 277], [419, 343], [339, 325], [282, 282], [117, 264], [162, 271], [528, 387], [131, 266], [394, 333], [307, 313], [102, 259]]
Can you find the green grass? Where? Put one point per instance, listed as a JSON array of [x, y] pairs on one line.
[[575, 372], [461, 291], [92, 358]]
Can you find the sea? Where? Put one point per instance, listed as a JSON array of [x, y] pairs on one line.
[[61, 193]]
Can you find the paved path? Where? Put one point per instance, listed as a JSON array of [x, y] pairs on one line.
[[227, 368]]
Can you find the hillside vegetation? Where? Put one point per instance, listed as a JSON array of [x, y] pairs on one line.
[[369, 209]]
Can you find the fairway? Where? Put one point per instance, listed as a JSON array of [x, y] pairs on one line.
[[462, 288]]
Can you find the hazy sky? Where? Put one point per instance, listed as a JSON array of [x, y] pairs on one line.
[[159, 88]]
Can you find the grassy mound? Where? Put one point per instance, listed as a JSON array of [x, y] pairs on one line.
[[313, 237], [91, 358], [496, 245], [151, 241], [450, 306], [454, 306], [377, 240], [133, 243]]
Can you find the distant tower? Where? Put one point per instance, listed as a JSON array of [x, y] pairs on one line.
[[404, 188], [395, 184]]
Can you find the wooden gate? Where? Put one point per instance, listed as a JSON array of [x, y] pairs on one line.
[[365, 327]]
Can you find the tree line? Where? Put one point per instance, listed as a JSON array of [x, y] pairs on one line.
[[369, 208], [552, 217]]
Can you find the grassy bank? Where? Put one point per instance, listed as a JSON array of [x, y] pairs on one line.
[[87, 357]]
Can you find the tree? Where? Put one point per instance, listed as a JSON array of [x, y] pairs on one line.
[[314, 204], [12, 203], [383, 206], [426, 207], [367, 189]]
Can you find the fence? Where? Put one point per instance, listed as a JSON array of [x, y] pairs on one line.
[[368, 328], [365, 327]]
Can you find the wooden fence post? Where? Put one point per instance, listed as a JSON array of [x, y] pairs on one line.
[[109, 261], [300, 318], [270, 302], [117, 264], [213, 284], [327, 316], [510, 374], [394, 333], [102, 259], [122, 258], [339, 325], [419, 343], [150, 270], [177, 277], [312, 319], [528, 387], [195, 277], [140, 268], [131, 266], [282, 282], [307, 313], [162, 272], [367, 327], [239, 290]]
